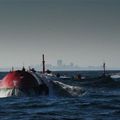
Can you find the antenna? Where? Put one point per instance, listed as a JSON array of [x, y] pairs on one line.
[[12, 68], [43, 63], [104, 68], [23, 69]]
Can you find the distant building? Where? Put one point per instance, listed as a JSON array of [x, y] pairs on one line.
[[71, 64], [59, 63]]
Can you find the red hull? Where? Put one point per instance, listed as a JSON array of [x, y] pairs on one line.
[[22, 82], [18, 79]]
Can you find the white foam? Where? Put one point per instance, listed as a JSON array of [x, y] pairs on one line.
[[71, 90]]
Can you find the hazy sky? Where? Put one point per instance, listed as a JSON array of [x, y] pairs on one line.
[[86, 32]]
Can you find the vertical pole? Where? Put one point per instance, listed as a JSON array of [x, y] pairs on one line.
[[12, 68], [43, 63], [104, 71]]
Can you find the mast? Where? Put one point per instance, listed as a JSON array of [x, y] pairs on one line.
[[43, 63], [12, 68], [104, 68]]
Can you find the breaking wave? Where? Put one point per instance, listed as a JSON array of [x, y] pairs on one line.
[[61, 89]]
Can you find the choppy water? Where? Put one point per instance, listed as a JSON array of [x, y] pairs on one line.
[[99, 103]]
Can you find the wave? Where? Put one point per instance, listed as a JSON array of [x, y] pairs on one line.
[[62, 89]]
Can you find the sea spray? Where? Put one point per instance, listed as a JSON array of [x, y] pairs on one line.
[[62, 89]]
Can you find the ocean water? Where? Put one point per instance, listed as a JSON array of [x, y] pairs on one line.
[[98, 103]]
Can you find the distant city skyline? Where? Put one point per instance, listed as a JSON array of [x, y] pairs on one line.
[[60, 66]]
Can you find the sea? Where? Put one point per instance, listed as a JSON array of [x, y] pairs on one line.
[[97, 103]]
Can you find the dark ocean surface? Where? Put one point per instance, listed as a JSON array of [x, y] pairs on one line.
[[98, 103]]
